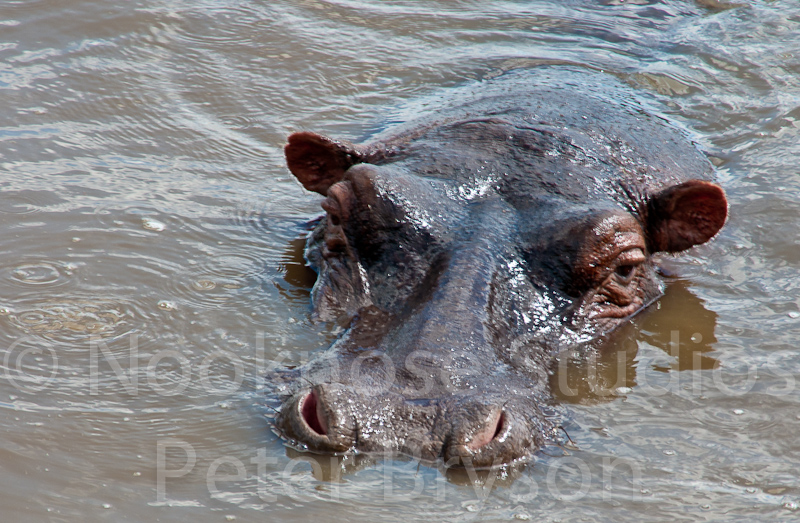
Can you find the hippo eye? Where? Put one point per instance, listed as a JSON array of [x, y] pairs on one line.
[[627, 264], [625, 271]]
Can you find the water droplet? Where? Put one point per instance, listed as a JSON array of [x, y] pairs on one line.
[[705, 507], [522, 516], [472, 507], [791, 505], [5, 311], [230, 518], [750, 490], [623, 390], [738, 412], [794, 314], [75, 239], [137, 474], [669, 452], [106, 505], [153, 225], [166, 305]]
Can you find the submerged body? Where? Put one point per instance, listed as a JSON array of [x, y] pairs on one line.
[[469, 247]]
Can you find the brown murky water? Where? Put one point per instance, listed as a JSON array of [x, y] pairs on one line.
[[150, 259]]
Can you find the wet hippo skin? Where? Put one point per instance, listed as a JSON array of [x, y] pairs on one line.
[[466, 248]]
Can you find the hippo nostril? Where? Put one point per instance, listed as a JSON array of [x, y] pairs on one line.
[[319, 419], [500, 423], [311, 410], [489, 433]]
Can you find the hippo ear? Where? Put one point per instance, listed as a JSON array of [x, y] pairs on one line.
[[319, 162], [686, 215]]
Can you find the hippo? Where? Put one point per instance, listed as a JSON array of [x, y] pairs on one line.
[[464, 249]]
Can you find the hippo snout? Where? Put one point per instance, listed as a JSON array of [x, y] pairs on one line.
[[480, 432]]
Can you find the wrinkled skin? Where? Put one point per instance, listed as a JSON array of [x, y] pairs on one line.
[[467, 248]]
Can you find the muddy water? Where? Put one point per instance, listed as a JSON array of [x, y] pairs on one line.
[[151, 270]]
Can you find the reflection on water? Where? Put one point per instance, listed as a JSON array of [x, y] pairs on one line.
[[151, 273], [678, 324], [299, 276], [683, 328]]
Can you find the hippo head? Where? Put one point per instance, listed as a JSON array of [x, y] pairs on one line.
[[461, 275]]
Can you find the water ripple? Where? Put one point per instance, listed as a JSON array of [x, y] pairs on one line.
[[72, 320]]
